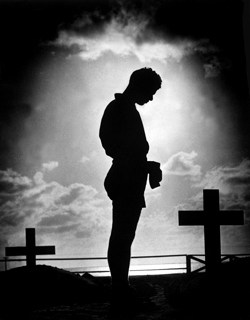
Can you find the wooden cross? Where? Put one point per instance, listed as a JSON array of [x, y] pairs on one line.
[[31, 250], [211, 218]]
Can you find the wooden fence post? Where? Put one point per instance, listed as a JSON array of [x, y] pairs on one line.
[[188, 263]]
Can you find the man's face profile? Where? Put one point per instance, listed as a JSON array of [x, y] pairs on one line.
[[144, 96], [143, 84]]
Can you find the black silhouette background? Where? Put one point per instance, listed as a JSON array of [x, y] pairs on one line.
[[60, 64]]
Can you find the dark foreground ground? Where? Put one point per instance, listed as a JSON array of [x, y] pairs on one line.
[[55, 294]]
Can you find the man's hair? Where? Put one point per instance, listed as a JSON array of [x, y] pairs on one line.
[[145, 79]]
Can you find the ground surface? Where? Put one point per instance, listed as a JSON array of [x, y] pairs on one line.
[[47, 293]]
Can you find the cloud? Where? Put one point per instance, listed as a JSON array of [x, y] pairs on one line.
[[62, 214], [212, 69], [214, 65], [233, 183], [38, 178], [56, 220], [126, 34], [49, 166], [69, 228], [76, 192], [82, 234], [182, 164], [13, 182], [47, 204]]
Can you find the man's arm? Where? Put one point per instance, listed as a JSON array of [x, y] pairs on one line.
[[110, 130]]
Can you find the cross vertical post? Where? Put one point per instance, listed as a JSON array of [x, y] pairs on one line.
[[212, 229], [30, 245]]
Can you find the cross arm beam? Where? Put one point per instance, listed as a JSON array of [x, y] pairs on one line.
[[232, 217], [45, 250], [23, 251], [197, 218], [191, 218], [16, 251]]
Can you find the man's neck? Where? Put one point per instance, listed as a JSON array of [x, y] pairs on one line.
[[129, 96]]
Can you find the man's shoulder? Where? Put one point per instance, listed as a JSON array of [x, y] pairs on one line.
[[115, 106], [112, 105]]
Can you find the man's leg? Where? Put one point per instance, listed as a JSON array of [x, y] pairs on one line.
[[125, 220]]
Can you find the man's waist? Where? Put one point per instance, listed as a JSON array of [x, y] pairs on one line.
[[128, 160]]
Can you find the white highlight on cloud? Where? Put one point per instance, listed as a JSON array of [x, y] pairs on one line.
[[119, 43], [46, 167], [125, 34], [182, 164], [49, 166], [38, 178]]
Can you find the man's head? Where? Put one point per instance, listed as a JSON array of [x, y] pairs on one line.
[[144, 83]]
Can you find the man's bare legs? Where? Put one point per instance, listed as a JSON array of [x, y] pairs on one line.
[[125, 220]]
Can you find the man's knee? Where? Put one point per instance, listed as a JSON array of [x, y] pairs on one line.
[[119, 238]]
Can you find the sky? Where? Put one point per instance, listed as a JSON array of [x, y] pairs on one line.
[[61, 62]]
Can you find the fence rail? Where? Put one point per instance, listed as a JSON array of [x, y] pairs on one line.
[[187, 261]]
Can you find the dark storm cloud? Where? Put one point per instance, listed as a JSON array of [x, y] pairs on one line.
[[63, 223], [215, 27], [70, 197], [58, 229], [93, 21], [83, 234], [239, 181], [12, 219], [217, 20], [56, 220], [14, 206], [220, 22], [12, 182]]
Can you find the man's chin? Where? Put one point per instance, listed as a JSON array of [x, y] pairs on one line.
[[141, 103]]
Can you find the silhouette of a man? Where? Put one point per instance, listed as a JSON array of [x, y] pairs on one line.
[[123, 138]]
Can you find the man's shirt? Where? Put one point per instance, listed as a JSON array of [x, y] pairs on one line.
[[122, 132], [123, 138]]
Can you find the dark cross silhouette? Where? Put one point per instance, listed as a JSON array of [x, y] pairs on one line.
[[31, 250], [211, 218]]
